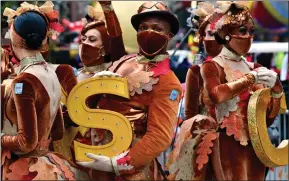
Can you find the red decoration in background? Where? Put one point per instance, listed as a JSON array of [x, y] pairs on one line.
[[52, 16], [72, 26], [56, 26]]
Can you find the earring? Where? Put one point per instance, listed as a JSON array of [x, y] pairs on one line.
[[227, 38]]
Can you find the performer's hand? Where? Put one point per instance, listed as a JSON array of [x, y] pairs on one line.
[[106, 73], [266, 76], [116, 164], [101, 163], [104, 3]]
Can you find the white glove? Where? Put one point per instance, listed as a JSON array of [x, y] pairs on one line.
[[106, 73], [101, 163], [266, 76], [106, 164]]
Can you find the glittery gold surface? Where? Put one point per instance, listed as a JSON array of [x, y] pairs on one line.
[[63, 146], [63, 96], [143, 174], [266, 152], [113, 121], [283, 106]]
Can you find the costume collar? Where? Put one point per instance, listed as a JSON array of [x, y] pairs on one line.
[[95, 68], [161, 68], [158, 58], [31, 60], [231, 55]]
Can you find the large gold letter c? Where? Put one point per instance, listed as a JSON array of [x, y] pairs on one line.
[[268, 154]]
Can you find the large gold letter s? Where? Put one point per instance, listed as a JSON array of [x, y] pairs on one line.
[[266, 152], [98, 118]]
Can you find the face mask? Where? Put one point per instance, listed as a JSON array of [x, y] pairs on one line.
[[151, 43], [90, 55], [240, 44], [212, 47]]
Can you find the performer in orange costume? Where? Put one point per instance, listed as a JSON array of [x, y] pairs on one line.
[[207, 16], [32, 111], [64, 72], [155, 93], [228, 82], [100, 45]]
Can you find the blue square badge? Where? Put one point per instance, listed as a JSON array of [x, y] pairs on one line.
[[18, 88], [174, 95]]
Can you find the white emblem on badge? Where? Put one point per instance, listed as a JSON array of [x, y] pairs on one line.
[[18, 88]]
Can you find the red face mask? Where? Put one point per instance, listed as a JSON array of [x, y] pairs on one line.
[[90, 55], [151, 43], [240, 44], [212, 47]]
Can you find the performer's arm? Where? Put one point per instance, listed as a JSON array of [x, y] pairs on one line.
[[27, 137], [161, 123], [192, 92], [275, 102], [66, 77], [114, 31], [219, 92], [57, 130], [68, 80]]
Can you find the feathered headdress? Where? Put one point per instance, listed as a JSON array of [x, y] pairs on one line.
[[46, 10]]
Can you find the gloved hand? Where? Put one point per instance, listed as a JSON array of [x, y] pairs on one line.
[[106, 73], [116, 164], [101, 163], [266, 77]]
